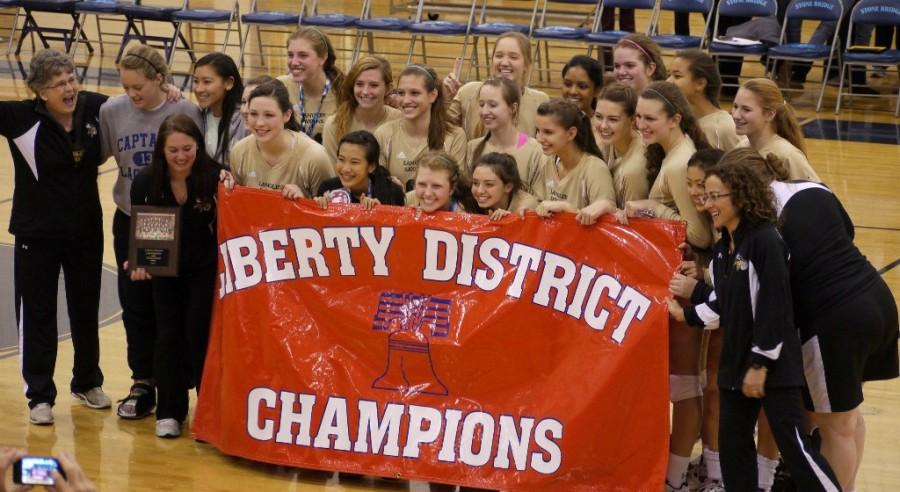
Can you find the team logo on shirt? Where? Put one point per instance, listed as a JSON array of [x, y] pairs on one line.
[[740, 263], [411, 321]]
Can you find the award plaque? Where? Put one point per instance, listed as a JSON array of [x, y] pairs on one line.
[[154, 239]]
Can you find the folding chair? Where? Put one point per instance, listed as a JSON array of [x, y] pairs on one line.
[[5, 6], [332, 22], [45, 34], [136, 17], [607, 39], [877, 13], [801, 10], [482, 29], [681, 41], [212, 19], [264, 20], [367, 26], [421, 29], [108, 10], [543, 33], [740, 8]]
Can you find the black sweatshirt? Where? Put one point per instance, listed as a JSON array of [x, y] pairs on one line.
[[55, 196], [752, 294], [198, 246]]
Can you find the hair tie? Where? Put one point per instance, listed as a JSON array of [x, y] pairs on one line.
[[152, 65], [664, 98], [640, 48]]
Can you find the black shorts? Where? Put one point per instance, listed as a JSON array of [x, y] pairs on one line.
[[853, 342]]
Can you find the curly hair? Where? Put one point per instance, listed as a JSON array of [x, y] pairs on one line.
[[751, 197], [45, 65], [769, 168]]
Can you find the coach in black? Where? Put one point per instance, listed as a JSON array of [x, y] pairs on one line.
[[761, 364], [56, 219]]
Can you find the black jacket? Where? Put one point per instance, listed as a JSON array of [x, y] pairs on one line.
[[198, 246], [752, 294], [55, 196]]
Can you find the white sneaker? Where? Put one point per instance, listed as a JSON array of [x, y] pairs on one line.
[[41, 414], [696, 473], [168, 428], [94, 398]]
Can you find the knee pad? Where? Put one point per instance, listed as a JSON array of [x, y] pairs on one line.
[[684, 387]]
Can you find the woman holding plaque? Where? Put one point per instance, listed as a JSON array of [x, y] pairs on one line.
[[128, 124], [181, 176]]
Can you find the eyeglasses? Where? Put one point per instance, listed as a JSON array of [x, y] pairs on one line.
[[61, 85], [714, 197]]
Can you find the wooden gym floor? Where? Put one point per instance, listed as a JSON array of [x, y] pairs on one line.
[[857, 153]]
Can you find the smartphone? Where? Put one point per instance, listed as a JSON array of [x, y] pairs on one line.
[[35, 470]]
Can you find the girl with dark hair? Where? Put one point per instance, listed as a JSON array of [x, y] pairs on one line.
[[439, 185], [314, 81], [245, 97], [276, 156], [58, 224], [769, 122], [672, 136], [620, 144], [637, 61], [423, 127], [511, 59], [697, 76], [498, 105], [497, 188], [761, 366], [582, 79], [181, 174], [360, 179], [574, 176], [128, 125], [362, 102], [218, 88]]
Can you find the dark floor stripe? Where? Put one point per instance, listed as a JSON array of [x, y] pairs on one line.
[[890, 266], [877, 228]]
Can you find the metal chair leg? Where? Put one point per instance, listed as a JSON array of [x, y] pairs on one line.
[[837, 108]]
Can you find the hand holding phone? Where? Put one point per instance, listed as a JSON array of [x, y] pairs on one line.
[[7, 457], [35, 470]]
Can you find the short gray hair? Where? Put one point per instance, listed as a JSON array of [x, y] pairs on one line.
[[45, 65]]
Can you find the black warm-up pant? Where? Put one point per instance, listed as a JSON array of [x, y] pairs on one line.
[[737, 449], [183, 307], [136, 299], [37, 265]]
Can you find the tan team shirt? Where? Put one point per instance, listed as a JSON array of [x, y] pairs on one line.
[[629, 171], [588, 182], [330, 138], [670, 190], [311, 108], [463, 109], [794, 159], [528, 154], [720, 131], [306, 165], [522, 200], [400, 154]]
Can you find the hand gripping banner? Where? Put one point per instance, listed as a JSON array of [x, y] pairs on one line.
[[527, 354]]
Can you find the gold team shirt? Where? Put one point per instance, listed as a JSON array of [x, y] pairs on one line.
[[794, 159], [671, 191], [311, 104], [528, 154], [400, 157], [629, 171], [720, 131], [330, 138], [463, 110], [305, 165], [588, 182]]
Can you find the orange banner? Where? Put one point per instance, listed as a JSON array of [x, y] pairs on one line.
[[527, 354]]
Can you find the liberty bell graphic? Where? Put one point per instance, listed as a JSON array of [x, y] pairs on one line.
[[411, 320]]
